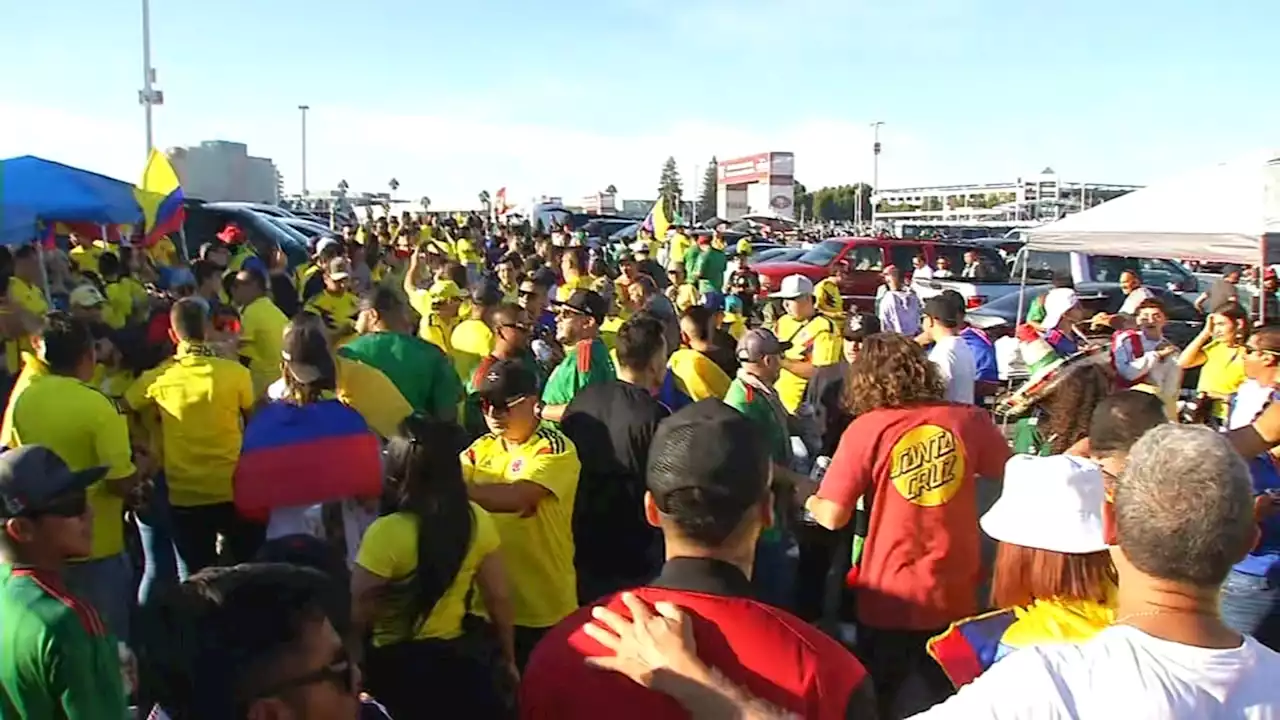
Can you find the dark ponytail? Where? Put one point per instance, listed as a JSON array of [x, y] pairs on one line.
[[426, 482]]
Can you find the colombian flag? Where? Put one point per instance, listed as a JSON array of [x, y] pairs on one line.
[[657, 222], [302, 455], [160, 197]]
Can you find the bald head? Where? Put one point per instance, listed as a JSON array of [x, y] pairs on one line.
[[1184, 505]]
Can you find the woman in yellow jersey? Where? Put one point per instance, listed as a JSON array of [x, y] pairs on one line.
[[1053, 581], [412, 579], [1219, 353]]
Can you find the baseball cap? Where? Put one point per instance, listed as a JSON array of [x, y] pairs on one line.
[[626, 256], [506, 381], [339, 268], [306, 350], [587, 302], [86, 296], [758, 343], [325, 243], [640, 247], [443, 290], [1057, 303], [32, 475], [858, 326], [794, 286], [710, 447]]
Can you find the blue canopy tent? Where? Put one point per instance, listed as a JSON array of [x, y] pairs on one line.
[[33, 191]]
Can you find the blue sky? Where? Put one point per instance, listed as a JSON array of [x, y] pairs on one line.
[[568, 96]]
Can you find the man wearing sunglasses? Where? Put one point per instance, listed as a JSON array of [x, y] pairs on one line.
[[586, 359], [511, 332], [525, 473], [59, 660]]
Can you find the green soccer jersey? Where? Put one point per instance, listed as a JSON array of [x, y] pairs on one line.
[[586, 362], [751, 403], [418, 369], [57, 659]]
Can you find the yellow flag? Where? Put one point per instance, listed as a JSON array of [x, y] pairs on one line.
[[660, 222], [159, 194]]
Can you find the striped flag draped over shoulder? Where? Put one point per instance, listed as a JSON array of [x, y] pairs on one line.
[[300, 455]]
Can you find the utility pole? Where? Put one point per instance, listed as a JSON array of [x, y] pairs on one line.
[[304, 109], [875, 167], [148, 96]]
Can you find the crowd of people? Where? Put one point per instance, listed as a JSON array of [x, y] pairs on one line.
[[448, 468]]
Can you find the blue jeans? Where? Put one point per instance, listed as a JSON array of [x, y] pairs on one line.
[[1250, 604], [107, 584], [161, 567], [774, 575]]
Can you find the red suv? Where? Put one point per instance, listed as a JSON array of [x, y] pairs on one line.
[[867, 257]]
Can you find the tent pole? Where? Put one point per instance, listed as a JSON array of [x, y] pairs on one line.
[[1262, 270], [182, 239], [44, 271]]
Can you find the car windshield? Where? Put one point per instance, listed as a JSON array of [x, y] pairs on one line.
[[822, 254]]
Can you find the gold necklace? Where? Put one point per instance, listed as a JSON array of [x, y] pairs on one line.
[[1153, 613]]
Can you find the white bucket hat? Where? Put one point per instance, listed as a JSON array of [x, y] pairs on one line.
[[1057, 303], [1049, 503]]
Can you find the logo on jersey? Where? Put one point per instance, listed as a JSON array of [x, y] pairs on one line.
[[516, 466], [927, 466]]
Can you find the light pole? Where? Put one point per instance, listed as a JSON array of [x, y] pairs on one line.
[[304, 109], [148, 96], [875, 167]]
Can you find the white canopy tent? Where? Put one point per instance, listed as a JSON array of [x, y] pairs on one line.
[[1221, 214]]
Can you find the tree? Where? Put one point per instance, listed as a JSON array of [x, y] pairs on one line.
[[709, 202], [484, 200], [669, 184], [839, 203], [803, 202], [426, 203], [612, 189]]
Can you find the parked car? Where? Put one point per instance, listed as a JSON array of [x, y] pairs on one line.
[[868, 258], [264, 208], [777, 253], [1000, 317], [205, 220], [312, 230]]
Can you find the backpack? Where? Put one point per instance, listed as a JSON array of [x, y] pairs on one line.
[[1134, 339]]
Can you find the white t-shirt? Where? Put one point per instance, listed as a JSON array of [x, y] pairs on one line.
[[1123, 673], [955, 361], [1134, 299]]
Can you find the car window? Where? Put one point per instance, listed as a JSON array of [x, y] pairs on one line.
[[901, 256], [993, 263], [1177, 308], [866, 257], [823, 253], [1107, 268], [1043, 265]]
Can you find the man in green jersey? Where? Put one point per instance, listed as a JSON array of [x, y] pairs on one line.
[[586, 358], [418, 369], [57, 659]]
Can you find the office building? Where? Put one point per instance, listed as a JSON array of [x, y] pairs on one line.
[[1038, 197], [218, 170]]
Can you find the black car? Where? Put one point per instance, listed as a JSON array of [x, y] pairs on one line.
[[1000, 316], [205, 220]]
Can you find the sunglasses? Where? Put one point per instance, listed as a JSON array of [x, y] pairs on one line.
[[70, 505], [488, 407], [528, 293], [519, 327], [340, 672]]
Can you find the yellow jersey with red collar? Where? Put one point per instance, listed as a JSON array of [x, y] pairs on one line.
[[814, 340], [537, 550]]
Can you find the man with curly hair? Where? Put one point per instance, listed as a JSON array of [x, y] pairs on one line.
[[916, 459]]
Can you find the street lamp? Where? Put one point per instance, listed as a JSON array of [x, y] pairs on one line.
[[148, 96], [875, 167], [303, 109]]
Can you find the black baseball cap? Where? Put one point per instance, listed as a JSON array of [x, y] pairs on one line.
[[505, 381], [486, 294], [32, 476], [859, 326], [711, 447], [587, 302]]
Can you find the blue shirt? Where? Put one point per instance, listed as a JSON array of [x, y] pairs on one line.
[[984, 354], [1063, 344], [1247, 404]]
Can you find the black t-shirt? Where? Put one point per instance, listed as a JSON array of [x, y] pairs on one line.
[[284, 294], [824, 394], [612, 426], [723, 352], [1220, 292]]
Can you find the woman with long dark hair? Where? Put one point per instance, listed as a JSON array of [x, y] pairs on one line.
[[412, 580]]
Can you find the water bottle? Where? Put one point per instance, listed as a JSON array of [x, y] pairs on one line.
[[816, 474]]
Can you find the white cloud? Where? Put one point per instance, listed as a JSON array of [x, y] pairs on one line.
[[451, 158]]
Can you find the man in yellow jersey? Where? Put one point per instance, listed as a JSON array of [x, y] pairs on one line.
[[308, 279], [87, 304], [163, 252], [83, 427], [438, 305], [261, 328], [827, 292], [337, 305], [203, 401], [680, 292], [699, 375], [472, 339], [811, 335], [678, 246], [84, 253], [26, 293], [526, 474]]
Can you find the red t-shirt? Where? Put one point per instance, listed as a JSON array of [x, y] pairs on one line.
[[920, 565], [770, 653]]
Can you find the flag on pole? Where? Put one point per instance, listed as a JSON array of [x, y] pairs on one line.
[[657, 221], [500, 206], [160, 197]]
